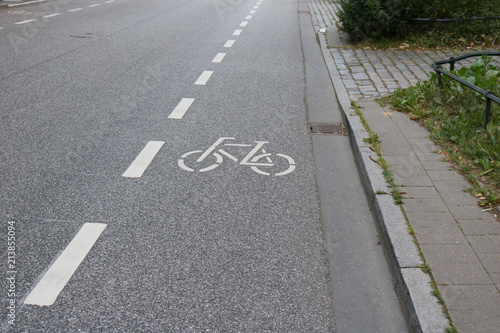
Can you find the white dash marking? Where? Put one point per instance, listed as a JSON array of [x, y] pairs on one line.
[[259, 3], [229, 43], [256, 7], [52, 15], [252, 12], [142, 161], [23, 22], [204, 77], [248, 17], [237, 32], [1, 28], [109, 1], [219, 57], [95, 5], [74, 10], [243, 24], [181, 108], [53, 282]]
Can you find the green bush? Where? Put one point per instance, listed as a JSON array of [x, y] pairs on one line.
[[373, 19], [382, 19]]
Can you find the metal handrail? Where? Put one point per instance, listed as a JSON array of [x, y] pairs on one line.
[[486, 94]]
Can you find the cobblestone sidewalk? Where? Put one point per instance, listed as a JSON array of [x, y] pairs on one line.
[[374, 73]]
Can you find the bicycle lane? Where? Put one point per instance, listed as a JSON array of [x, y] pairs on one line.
[[228, 249]]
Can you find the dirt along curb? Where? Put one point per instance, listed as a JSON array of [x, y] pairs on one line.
[[413, 286]]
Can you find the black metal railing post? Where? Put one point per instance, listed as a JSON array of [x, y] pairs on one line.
[[486, 94]]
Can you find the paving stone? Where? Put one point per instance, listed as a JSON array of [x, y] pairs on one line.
[[421, 192], [466, 212], [451, 175], [480, 297], [446, 273], [447, 254], [490, 261], [426, 219], [476, 321], [412, 180], [437, 166], [446, 186], [458, 198], [479, 227], [440, 235], [485, 243], [424, 205]]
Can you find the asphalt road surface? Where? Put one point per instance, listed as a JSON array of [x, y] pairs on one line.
[[157, 174]]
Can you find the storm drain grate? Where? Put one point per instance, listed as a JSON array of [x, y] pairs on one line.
[[327, 128]]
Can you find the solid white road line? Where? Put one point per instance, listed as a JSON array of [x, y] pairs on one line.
[[243, 24], [237, 32], [53, 282], [181, 108], [229, 43], [204, 77], [248, 17], [219, 57], [23, 22], [142, 161], [74, 10], [52, 15]]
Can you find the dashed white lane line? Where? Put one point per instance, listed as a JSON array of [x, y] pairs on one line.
[[204, 77], [253, 12], [181, 108], [256, 7], [259, 3], [23, 22], [243, 24], [110, 1], [237, 32], [94, 5], [248, 17], [142, 161], [53, 282], [74, 10], [219, 57], [229, 43], [52, 15]]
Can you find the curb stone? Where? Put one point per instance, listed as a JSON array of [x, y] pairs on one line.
[[422, 311]]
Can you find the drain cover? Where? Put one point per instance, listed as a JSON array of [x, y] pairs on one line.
[[327, 128]]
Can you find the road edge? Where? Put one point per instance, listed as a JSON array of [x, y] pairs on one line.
[[413, 286]]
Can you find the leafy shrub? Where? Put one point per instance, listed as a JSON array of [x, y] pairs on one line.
[[382, 19], [373, 19]]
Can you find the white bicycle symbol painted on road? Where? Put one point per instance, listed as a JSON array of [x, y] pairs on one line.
[[254, 160]]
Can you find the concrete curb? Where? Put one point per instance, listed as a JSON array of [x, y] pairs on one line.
[[10, 4], [413, 287]]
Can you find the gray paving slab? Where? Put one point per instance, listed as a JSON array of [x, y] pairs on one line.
[[477, 321], [465, 297]]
